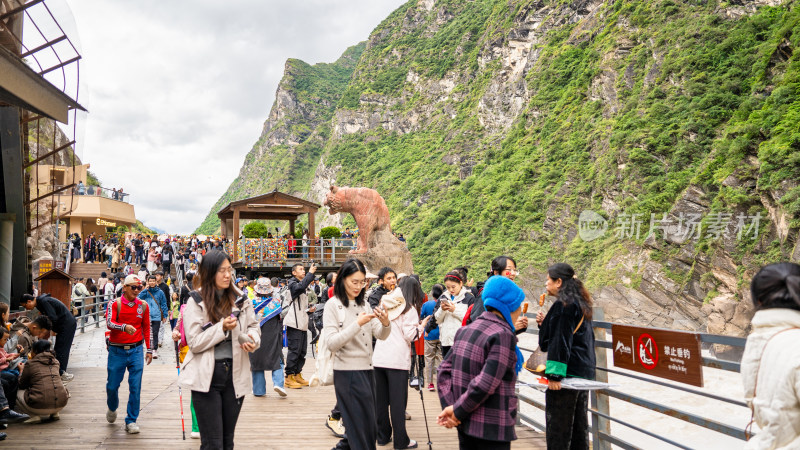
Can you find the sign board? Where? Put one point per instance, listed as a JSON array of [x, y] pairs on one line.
[[674, 355], [105, 223], [45, 266]]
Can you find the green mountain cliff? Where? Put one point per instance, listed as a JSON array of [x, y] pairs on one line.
[[489, 126]]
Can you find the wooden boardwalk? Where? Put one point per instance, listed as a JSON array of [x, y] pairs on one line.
[[297, 422]]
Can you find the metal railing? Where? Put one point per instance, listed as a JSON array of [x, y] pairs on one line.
[[261, 252], [88, 309], [96, 191], [601, 417]]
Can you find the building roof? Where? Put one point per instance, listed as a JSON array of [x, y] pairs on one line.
[[274, 205]]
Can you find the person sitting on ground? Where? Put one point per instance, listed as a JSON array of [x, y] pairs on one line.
[[9, 378], [41, 391], [27, 332], [63, 325]]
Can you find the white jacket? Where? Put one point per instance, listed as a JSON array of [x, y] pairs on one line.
[[395, 351], [449, 322], [777, 366]]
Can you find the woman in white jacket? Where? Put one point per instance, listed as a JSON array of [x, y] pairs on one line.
[[771, 360], [452, 308], [392, 361]]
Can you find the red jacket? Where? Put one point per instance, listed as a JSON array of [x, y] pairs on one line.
[[134, 313]]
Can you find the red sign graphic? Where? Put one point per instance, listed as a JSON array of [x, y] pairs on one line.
[[648, 351]]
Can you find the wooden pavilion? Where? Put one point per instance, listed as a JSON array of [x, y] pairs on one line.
[[273, 206]]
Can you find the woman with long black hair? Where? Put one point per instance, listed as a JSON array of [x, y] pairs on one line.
[[565, 333], [351, 325], [221, 329]]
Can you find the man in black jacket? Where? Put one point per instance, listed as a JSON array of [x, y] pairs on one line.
[[296, 323], [387, 281], [64, 326]]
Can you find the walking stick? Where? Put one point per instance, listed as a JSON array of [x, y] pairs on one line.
[[180, 393], [419, 385]]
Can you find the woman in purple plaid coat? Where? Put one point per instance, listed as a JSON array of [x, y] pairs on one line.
[[477, 377]]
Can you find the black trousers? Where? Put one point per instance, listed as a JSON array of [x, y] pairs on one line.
[[355, 396], [391, 398], [64, 337], [566, 422], [467, 442], [298, 346], [218, 409], [446, 350], [155, 327]]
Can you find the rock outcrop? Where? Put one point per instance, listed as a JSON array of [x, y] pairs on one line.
[[489, 127]]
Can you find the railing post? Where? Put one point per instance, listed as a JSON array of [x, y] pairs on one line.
[[333, 250], [599, 400], [82, 314]]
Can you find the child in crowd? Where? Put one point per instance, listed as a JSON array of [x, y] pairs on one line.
[[41, 391], [9, 378]]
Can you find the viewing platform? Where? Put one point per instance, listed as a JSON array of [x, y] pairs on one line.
[[296, 422]]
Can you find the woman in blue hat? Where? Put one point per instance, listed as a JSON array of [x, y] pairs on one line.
[[477, 378]]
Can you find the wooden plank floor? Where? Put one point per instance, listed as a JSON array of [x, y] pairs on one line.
[[296, 422]]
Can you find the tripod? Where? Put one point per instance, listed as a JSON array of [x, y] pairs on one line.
[[418, 382]]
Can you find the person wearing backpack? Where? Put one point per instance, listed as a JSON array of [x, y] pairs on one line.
[[158, 309], [350, 342], [269, 355], [128, 319], [295, 319]]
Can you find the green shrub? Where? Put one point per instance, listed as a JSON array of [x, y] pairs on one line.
[[255, 230], [330, 232]]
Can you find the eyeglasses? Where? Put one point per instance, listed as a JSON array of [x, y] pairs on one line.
[[358, 283]]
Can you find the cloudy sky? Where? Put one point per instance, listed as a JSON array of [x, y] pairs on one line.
[[178, 90]]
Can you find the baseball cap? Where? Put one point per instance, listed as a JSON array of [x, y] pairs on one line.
[[132, 280], [239, 279]]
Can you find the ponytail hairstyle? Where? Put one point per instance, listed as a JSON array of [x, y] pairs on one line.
[[456, 276], [463, 271], [572, 290], [777, 286], [218, 306]]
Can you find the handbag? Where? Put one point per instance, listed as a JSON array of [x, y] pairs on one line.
[[537, 362], [324, 361]]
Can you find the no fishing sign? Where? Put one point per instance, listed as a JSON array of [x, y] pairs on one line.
[[674, 355]]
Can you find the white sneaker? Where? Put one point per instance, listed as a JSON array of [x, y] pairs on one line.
[[67, 377], [155, 354], [195, 435], [281, 391], [55, 416], [111, 416], [132, 428]]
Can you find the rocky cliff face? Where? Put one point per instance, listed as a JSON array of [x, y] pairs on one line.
[[489, 127]]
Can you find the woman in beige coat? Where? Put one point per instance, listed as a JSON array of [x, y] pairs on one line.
[[220, 330]]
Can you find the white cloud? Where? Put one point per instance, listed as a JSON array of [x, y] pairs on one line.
[[179, 90]]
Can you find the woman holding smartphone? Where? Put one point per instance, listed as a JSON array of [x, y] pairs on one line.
[[350, 325], [453, 305], [221, 329]]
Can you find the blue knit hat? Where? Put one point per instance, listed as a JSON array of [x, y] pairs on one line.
[[503, 295]]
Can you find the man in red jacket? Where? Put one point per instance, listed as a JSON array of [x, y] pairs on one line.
[[129, 321]]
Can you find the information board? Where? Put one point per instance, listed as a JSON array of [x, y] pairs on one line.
[[674, 355]]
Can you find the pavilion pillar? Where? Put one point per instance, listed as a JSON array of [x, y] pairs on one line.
[[291, 226], [235, 234], [312, 233]]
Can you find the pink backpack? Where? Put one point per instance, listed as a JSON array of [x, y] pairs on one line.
[[183, 342]]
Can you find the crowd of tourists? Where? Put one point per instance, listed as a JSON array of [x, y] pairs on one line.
[[379, 334]]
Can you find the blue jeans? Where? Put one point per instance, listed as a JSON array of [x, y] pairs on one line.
[[260, 381], [119, 360]]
